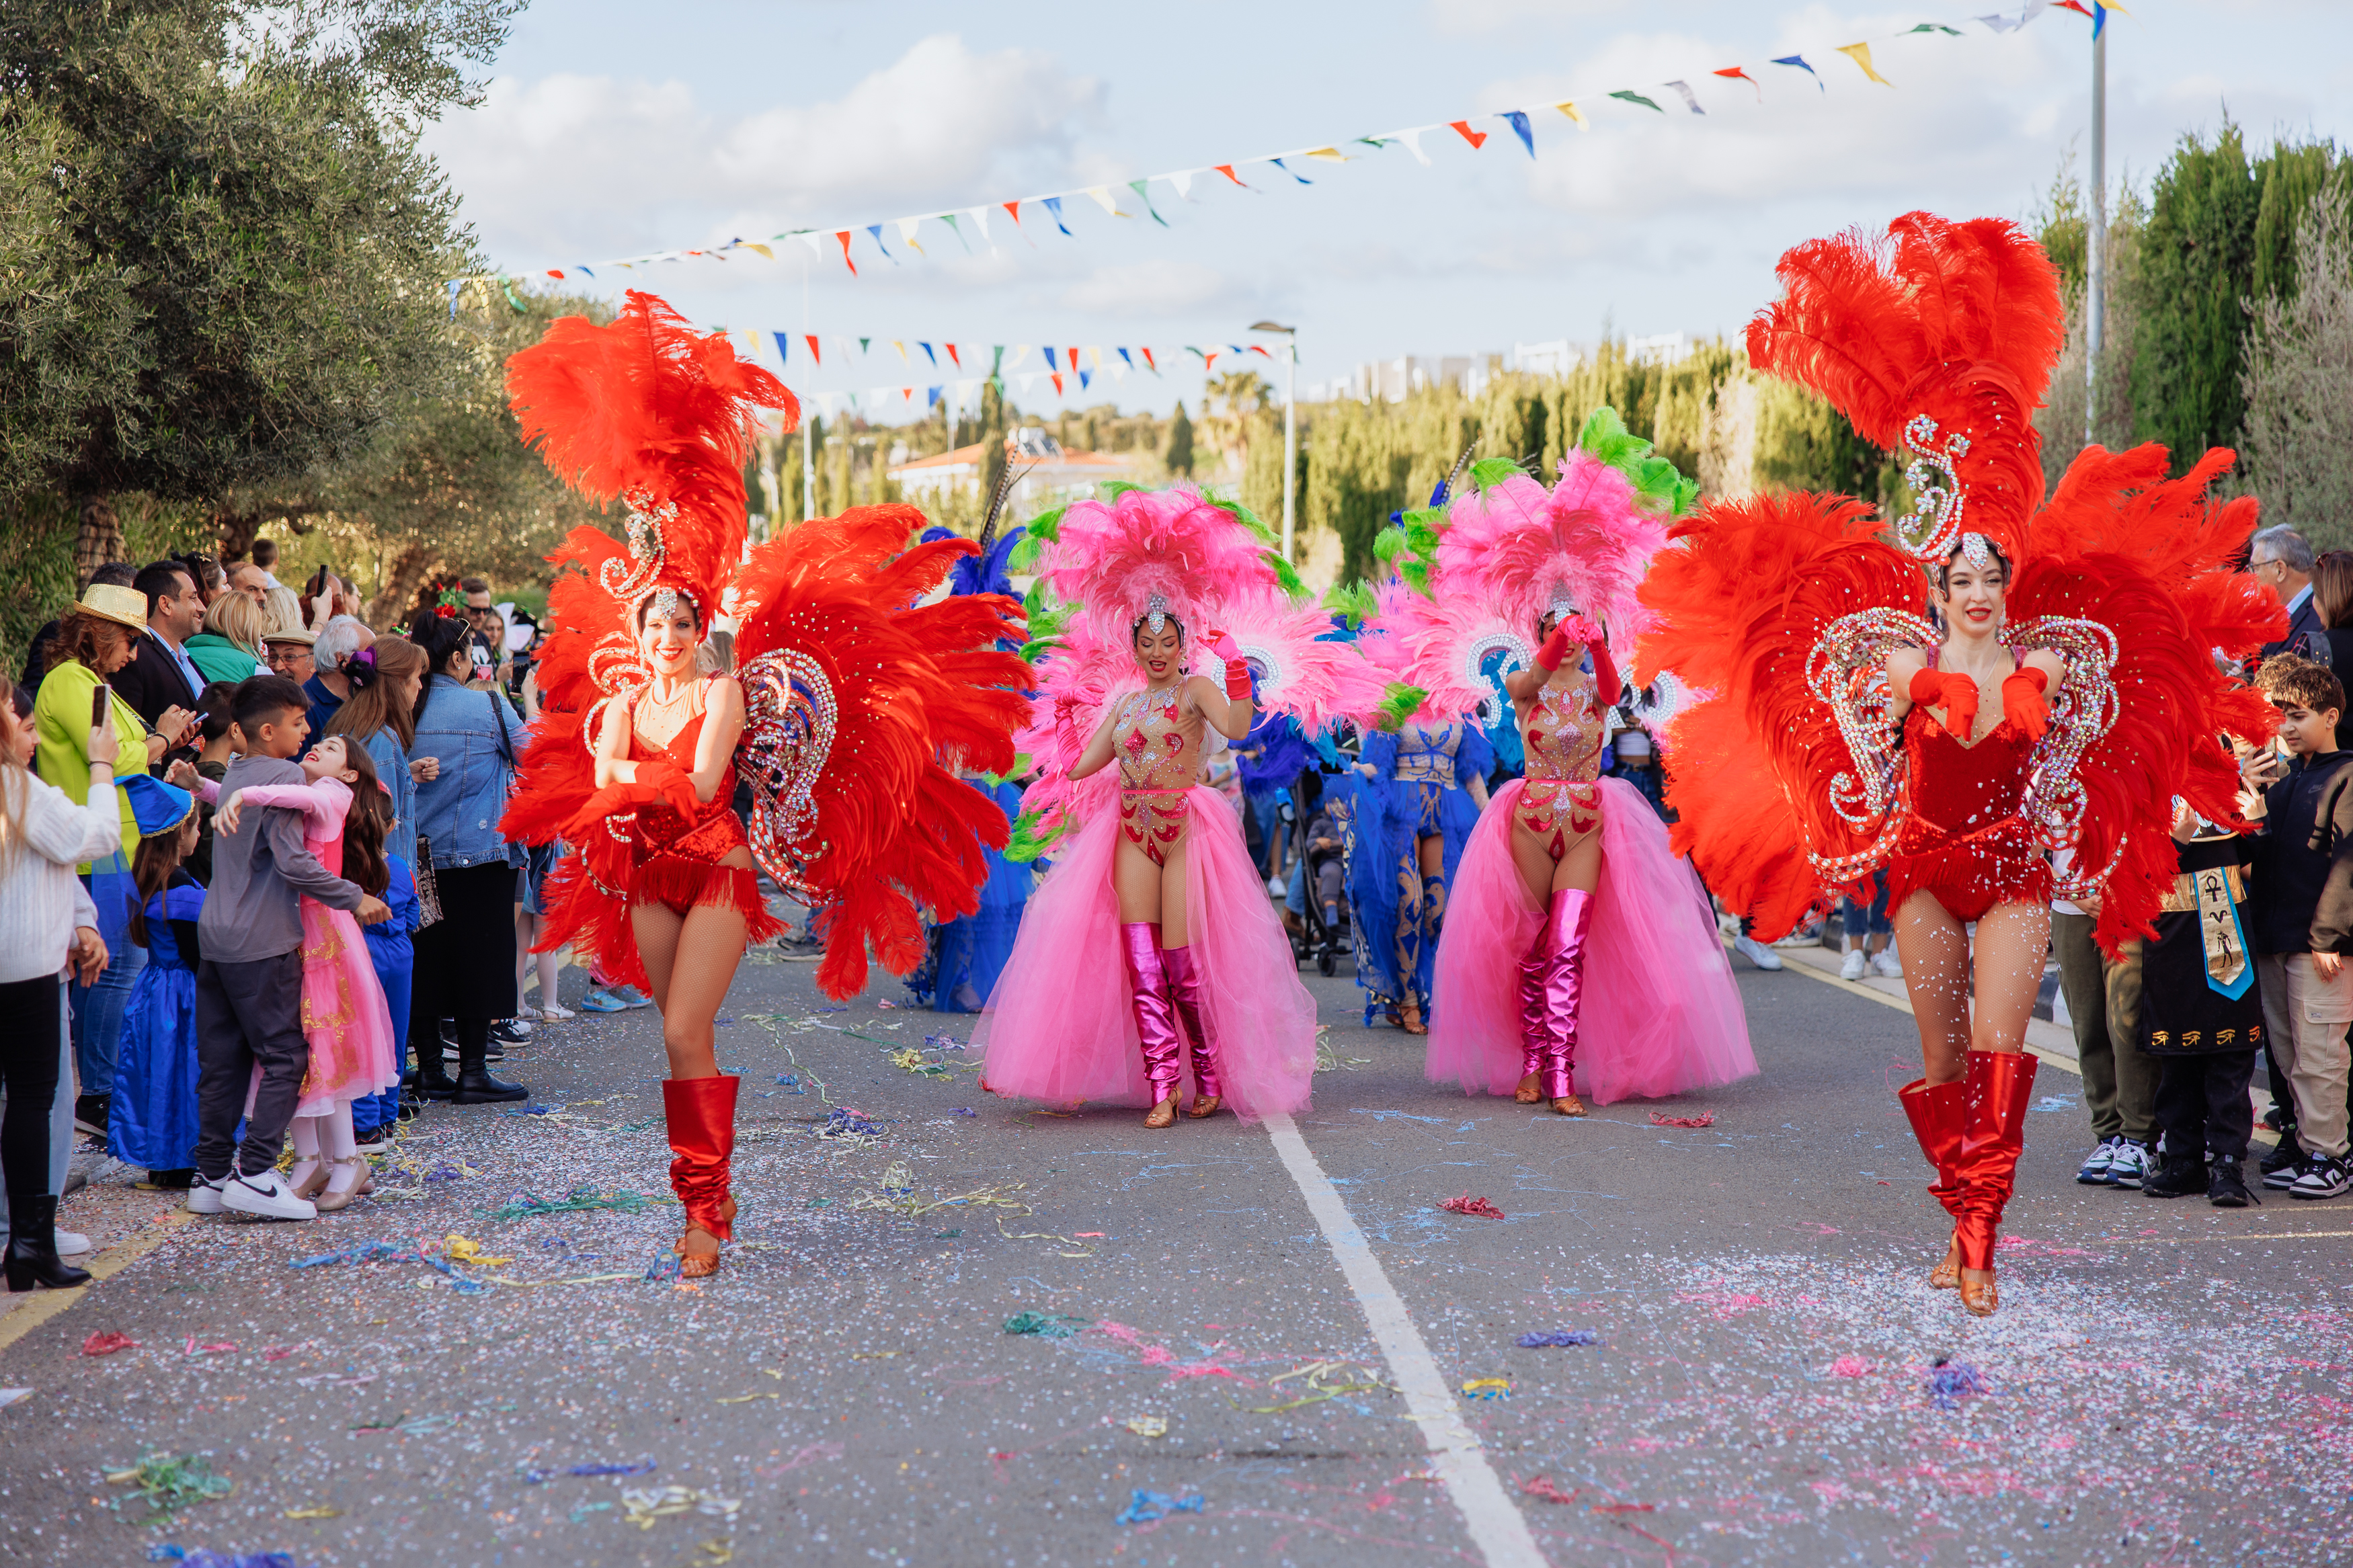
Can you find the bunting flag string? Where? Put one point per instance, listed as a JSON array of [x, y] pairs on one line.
[[1520, 122]]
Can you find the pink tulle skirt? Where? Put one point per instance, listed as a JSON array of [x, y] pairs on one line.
[[344, 1016], [1662, 1013], [1060, 1027]]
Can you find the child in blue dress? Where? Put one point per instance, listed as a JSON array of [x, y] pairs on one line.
[[151, 1120], [395, 957]]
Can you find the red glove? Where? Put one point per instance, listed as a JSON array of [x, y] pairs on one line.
[[1237, 678], [1956, 693], [1606, 686], [2023, 704], [1555, 649]]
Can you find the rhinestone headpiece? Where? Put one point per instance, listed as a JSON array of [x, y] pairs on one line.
[[1934, 525], [1155, 613], [1977, 550], [639, 579]]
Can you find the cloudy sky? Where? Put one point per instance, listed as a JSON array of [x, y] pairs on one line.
[[615, 129]]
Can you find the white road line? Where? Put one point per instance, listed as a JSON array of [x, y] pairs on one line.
[[1497, 1528]]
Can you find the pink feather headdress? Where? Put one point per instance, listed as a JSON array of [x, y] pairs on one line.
[[1153, 552], [1520, 550]]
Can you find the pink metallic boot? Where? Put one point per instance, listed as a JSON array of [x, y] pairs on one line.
[[1185, 987], [1565, 925], [1155, 1018]]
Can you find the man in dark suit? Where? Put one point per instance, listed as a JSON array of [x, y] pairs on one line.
[[2280, 558], [161, 676]]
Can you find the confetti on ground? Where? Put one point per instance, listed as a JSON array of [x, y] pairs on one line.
[[106, 1342], [579, 1200], [1143, 1507], [644, 1467], [1705, 1119], [1949, 1383], [1044, 1325], [1553, 1338], [1849, 1366], [1148, 1425], [321, 1511], [648, 1504], [198, 1557], [843, 1122], [167, 1485], [1543, 1490], [11, 1395], [1468, 1204], [1488, 1388], [459, 1250]]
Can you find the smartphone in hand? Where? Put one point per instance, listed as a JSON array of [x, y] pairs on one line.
[[99, 702]]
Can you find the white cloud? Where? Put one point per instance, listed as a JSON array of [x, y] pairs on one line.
[[571, 167], [1146, 289]]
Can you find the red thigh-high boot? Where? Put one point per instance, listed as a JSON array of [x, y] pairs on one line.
[[702, 1116], [1566, 924], [1185, 988], [1938, 1111], [1999, 1083], [1155, 1018]]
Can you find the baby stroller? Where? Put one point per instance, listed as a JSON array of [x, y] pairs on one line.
[[1321, 871]]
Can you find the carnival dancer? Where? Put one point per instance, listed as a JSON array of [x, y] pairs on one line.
[[1154, 917], [1579, 956], [2068, 696], [1421, 784], [852, 704]]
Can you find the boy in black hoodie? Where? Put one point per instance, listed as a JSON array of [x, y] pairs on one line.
[[2303, 915]]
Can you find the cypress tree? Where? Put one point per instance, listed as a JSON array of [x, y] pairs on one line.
[[1180, 443]]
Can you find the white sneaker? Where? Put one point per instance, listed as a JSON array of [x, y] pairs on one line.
[[1885, 963], [265, 1196], [2131, 1164], [204, 1197], [70, 1242], [1755, 953], [1850, 967]]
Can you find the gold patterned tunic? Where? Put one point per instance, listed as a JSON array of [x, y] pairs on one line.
[[1562, 736], [1158, 747]]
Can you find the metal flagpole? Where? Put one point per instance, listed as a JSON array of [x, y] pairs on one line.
[[2096, 240]]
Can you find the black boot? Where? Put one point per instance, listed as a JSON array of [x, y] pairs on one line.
[[2179, 1177], [33, 1245], [2227, 1189], [433, 1079], [475, 1084]]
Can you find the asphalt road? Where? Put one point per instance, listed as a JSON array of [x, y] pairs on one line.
[[1764, 1376]]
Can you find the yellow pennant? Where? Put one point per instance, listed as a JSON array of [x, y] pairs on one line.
[[1861, 55], [1570, 109]]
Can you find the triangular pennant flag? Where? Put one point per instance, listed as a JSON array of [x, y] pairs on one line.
[[810, 339], [1740, 73], [1144, 195], [1182, 180], [1020, 353], [1148, 360], [901, 348], [1102, 194], [1800, 61], [907, 226], [1934, 28], [1690, 98], [1291, 172], [1568, 107], [931, 396], [1632, 97], [1209, 359], [956, 228], [953, 358], [843, 235], [1123, 354], [1329, 154], [809, 237], [929, 355], [1054, 205], [862, 343], [1254, 348], [1413, 140], [1024, 379], [907, 394], [980, 217], [746, 244], [1053, 360], [783, 347], [876, 230], [1085, 376], [2075, 5], [1476, 138], [841, 345], [556, 272], [1228, 171], [1861, 55], [1057, 379], [1074, 358], [1015, 208], [1519, 121], [997, 361]]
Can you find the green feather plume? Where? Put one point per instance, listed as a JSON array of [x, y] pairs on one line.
[[1286, 576], [1398, 705], [1491, 471], [1353, 601], [1112, 489]]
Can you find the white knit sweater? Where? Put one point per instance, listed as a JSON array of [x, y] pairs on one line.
[[41, 899]]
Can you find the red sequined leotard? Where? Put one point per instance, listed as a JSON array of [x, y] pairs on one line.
[[1158, 746], [678, 861], [1562, 736], [1965, 838]]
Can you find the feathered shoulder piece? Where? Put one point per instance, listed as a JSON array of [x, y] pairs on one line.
[[863, 702], [1938, 338]]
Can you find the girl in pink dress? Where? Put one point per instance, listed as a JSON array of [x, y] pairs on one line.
[[344, 1016]]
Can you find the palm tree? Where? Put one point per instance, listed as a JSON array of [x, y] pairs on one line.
[[1229, 403]]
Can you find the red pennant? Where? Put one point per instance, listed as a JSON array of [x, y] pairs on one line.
[[1147, 359], [2075, 5], [952, 355], [1207, 360], [1259, 351], [1228, 171], [843, 235], [1015, 208], [1740, 73], [555, 272], [1476, 138], [1074, 359], [1057, 380], [810, 339]]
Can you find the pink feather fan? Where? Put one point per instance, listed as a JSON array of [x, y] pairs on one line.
[[1076, 682], [1514, 549], [1314, 682]]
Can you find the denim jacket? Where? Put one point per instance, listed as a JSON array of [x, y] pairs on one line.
[[458, 811], [391, 759]]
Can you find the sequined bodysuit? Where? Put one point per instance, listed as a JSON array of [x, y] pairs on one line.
[[678, 861], [1965, 837], [1563, 734], [1158, 747]]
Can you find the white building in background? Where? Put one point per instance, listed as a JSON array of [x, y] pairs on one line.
[[1557, 357], [1660, 348], [1047, 473]]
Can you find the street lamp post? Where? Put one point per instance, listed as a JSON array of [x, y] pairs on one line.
[[1290, 423]]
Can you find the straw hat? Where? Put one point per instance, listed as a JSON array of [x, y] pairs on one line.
[[112, 602], [306, 638]]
